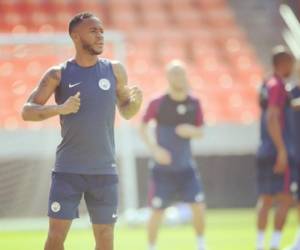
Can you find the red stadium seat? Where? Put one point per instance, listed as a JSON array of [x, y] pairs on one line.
[[125, 21], [223, 68], [156, 20], [209, 5]]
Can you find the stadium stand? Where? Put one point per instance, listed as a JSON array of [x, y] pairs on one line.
[[224, 70], [223, 43]]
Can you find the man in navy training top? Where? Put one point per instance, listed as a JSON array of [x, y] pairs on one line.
[[275, 156], [294, 92], [178, 118], [87, 90]]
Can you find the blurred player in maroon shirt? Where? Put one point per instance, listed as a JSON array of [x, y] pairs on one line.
[[174, 173], [275, 156]]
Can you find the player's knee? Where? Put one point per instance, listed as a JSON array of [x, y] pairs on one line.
[[105, 233], [265, 203], [157, 214], [158, 211], [55, 237], [200, 206], [285, 200]]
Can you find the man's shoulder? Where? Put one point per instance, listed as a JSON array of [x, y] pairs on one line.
[[194, 99], [54, 72], [107, 61], [156, 100], [114, 63], [274, 82], [118, 69]]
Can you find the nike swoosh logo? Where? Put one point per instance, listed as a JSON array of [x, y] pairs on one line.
[[74, 84]]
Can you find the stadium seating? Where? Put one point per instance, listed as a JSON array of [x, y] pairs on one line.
[[223, 68]]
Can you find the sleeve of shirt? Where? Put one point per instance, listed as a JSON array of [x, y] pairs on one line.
[[275, 95], [199, 120], [151, 111]]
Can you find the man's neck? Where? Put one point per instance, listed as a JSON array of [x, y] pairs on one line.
[[85, 60], [177, 96], [279, 74]]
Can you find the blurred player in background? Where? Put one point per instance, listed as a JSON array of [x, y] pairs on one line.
[[178, 119], [275, 157], [86, 89], [294, 92]]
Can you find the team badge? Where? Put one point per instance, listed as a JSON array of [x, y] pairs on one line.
[[156, 202], [181, 109], [55, 207], [199, 197], [104, 84]]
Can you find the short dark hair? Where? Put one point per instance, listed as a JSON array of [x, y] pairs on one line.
[[78, 18], [280, 53]]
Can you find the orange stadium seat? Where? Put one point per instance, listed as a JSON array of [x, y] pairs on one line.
[[121, 6], [124, 21], [152, 6], [189, 19], [221, 19], [156, 20], [209, 5], [223, 69], [180, 5]]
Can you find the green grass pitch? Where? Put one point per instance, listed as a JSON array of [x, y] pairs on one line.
[[226, 230]]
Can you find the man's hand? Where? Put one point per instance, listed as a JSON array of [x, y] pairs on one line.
[[281, 162], [136, 95], [161, 155], [187, 131], [130, 95], [71, 106]]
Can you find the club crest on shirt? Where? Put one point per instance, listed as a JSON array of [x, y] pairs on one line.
[[181, 109], [104, 84]]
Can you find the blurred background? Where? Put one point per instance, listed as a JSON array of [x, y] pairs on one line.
[[226, 45]]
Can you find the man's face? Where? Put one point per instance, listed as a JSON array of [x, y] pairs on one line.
[[89, 35], [177, 79], [288, 66]]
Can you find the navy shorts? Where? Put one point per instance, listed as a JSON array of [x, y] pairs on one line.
[[269, 183], [168, 187], [100, 194]]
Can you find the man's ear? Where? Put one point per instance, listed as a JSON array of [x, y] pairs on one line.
[[74, 36]]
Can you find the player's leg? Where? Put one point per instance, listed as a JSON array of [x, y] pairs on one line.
[[198, 210], [64, 198], [281, 187], [192, 193], [163, 189], [102, 203], [296, 244], [264, 205], [104, 236], [153, 227], [283, 203], [265, 199], [58, 230]]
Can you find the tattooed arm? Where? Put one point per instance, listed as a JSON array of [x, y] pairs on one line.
[[36, 110]]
